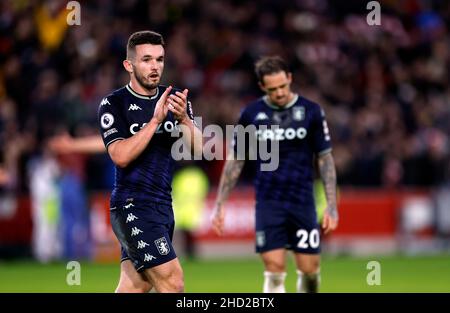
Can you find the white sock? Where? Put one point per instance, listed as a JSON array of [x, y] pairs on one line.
[[308, 283], [274, 282]]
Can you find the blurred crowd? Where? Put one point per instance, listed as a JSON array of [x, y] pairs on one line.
[[385, 88]]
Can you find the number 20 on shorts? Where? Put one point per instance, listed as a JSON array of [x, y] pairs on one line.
[[307, 240]]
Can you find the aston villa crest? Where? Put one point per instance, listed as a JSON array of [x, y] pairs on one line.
[[298, 113], [162, 245]]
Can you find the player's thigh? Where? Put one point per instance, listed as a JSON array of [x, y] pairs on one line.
[[303, 230], [274, 260], [130, 280], [167, 276], [271, 231], [307, 263]]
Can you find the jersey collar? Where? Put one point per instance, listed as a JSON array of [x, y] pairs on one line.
[[287, 106], [134, 93]]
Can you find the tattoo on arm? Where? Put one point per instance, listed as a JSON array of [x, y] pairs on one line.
[[328, 175], [230, 175]]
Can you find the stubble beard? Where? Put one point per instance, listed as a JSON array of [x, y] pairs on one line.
[[144, 82]]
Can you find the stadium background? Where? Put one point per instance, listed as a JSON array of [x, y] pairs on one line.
[[384, 88]]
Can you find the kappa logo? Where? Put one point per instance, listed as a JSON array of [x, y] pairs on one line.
[[261, 116], [105, 102], [131, 217], [106, 120], [148, 257], [135, 231], [142, 244], [162, 245], [134, 107]]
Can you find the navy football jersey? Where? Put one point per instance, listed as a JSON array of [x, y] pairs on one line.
[[149, 177], [301, 133]]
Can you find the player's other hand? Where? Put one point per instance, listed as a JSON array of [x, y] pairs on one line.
[[60, 144], [161, 109], [218, 220], [177, 104], [329, 221]]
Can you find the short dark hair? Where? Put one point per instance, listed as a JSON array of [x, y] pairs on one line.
[[270, 65], [143, 37]]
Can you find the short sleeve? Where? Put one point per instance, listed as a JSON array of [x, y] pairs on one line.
[[321, 133], [111, 122], [240, 141]]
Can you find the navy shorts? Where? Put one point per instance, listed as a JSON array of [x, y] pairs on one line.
[[144, 230], [287, 226]]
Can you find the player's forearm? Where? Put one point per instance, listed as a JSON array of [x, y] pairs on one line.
[[193, 137], [88, 144], [124, 151], [230, 175], [328, 174]]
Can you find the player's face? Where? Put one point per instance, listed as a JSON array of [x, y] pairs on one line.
[[148, 65], [278, 87]]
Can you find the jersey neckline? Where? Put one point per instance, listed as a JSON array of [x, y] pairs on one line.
[[287, 106], [134, 93]]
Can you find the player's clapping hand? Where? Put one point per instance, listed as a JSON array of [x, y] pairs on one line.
[[330, 221], [218, 220], [161, 108], [177, 104]]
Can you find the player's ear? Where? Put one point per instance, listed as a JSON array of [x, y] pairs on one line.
[[289, 77], [128, 66], [261, 85]]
